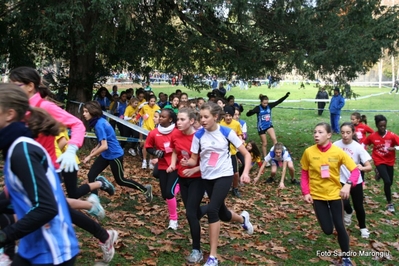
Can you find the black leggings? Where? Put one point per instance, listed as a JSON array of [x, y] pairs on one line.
[[217, 190], [386, 173], [242, 160], [357, 200], [117, 170], [168, 182], [6, 220], [19, 261], [86, 223], [192, 190], [330, 214], [71, 181]]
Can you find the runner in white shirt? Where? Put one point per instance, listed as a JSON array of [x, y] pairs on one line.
[[356, 151], [211, 144]]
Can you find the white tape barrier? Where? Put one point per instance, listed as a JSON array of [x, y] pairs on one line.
[[119, 120]]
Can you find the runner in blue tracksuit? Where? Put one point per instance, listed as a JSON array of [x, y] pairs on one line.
[[336, 104], [264, 114]]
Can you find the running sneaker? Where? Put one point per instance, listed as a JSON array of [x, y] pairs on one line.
[[196, 256], [108, 247], [148, 194], [236, 193], [269, 180], [390, 208], [132, 152], [294, 182], [247, 224], [346, 262], [106, 185], [347, 218], [212, 262], [173, 224], [151, 166], [96, 208], [365, 233], [144, 165], [377, 176]]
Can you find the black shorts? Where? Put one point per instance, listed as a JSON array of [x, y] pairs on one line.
[[262, 132], [234, 163]]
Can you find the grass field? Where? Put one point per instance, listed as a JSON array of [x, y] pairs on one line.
[[286, 229]]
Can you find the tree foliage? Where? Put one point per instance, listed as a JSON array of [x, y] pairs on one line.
[[328, 37]]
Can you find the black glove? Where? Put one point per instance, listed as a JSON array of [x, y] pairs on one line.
[[159, 153], [287, 94]]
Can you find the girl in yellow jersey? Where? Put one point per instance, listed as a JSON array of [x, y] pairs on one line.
[[130, 116], [147, 113], [320, 184]]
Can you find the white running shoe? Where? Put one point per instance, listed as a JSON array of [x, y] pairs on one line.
[[196, 256], [212, 262], [96, 208], [132, 152], [151, 166], [347, 218], [364, 232], [391, 208], [247, 224], [108, 247], [144, 165], [173, 224]]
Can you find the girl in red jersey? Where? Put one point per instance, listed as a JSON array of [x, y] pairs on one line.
[[361, 127], [191, 185], [320, 184], [383, 155], [158, 144]]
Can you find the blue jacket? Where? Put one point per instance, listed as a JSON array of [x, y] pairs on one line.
[[336, 104]]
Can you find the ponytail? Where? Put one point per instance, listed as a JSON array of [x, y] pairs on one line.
[[41, 122]]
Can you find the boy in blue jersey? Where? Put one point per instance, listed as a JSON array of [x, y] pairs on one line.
[[264, 114], [279, 157]]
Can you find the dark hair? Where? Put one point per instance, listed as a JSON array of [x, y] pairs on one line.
[[200, 98], [28, 75], [361, 118], [123, 93], [178, 91], [159, 94], [255, 150], [263, 97], [364, 119], [183, 94], [171, 114], [379, 118], [39, 120], [352, 126], [231, 97], [94, 109], [326, 126], [214, 109], [107, 94], [151, 96]]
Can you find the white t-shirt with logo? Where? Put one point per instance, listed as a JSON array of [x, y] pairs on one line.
[[357, 153], [215, 160]]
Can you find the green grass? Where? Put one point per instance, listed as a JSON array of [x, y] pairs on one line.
[[286, 229]]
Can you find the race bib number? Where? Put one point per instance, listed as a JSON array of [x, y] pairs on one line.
[[167, 147], [359, 135], [185, 155], [266, 117], [213, 159], [325, 171]]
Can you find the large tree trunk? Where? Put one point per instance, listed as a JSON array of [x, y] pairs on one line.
[[81, 79]]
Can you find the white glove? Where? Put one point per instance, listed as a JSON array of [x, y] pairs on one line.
[[141, 105], [67, 159]]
